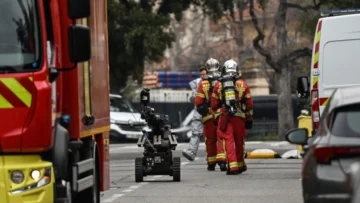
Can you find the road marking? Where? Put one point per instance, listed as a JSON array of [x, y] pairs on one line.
[[128, 190], [135, 186], [112, 198], [115, 149], [131, 147]]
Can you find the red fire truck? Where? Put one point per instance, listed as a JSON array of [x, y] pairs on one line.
[[54, 101]]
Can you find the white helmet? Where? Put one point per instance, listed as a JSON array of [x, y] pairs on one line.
[[230, 67], [212, 65]]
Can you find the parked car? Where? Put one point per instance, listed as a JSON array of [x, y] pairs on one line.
[[354, 180], [183, 132], [332, 150], [126, 122]]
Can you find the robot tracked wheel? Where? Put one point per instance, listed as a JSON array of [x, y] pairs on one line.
[[158, 145]]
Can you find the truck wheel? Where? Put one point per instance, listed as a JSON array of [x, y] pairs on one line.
[[139, 170], [176, 169]]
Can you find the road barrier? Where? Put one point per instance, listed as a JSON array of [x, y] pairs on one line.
[[262, 154], [271, 154]]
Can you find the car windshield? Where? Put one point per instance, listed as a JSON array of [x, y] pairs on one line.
[[346, 122], [19, 36], [120, 105]]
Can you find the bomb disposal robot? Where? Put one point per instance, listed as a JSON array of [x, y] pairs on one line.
[[158, 145]]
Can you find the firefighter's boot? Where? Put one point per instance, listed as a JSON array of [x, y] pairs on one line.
[[232, 172], [222, 166], [211, 167], [243, 169]]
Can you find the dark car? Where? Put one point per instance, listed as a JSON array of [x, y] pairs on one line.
[[332, 150]]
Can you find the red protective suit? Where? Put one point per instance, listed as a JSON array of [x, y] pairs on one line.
[[235, 128], [214, 149]]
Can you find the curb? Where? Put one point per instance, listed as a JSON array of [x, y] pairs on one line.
[[271, 154]]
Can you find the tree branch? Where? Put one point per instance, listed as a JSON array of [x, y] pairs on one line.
[[296, 54], [260, 37], [315, 7]]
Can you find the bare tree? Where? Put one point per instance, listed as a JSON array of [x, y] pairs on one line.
[[196, 42], [282, 59]]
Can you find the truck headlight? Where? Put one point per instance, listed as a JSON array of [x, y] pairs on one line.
[[36, 175], [17, 177]]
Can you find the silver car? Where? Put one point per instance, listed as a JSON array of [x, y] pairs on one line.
[[332, 150]]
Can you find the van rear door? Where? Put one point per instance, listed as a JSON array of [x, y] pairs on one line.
[[338, 55]]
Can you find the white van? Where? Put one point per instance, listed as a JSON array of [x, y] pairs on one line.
[[126, 122], [335, 59]]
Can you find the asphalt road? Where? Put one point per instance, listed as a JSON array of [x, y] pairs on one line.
[[265, 181], [131, 150]]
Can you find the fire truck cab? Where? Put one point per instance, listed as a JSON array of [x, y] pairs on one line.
[[335, 59], [54, 107]]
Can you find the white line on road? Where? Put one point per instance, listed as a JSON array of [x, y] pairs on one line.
[[134, 187], [128, 190], [112, 198]]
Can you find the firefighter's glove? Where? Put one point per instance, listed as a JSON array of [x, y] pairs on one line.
[[248, 124]]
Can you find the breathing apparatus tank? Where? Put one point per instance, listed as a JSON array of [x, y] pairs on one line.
[[212, 81], [228, 92]]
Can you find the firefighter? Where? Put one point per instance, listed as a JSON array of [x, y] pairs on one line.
[[246, 103], [196, 123], [214, 149], [233, 94]]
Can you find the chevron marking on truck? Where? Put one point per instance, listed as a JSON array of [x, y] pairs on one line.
[[315, 82], [15, 92], [316, 55], [324, 101]]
